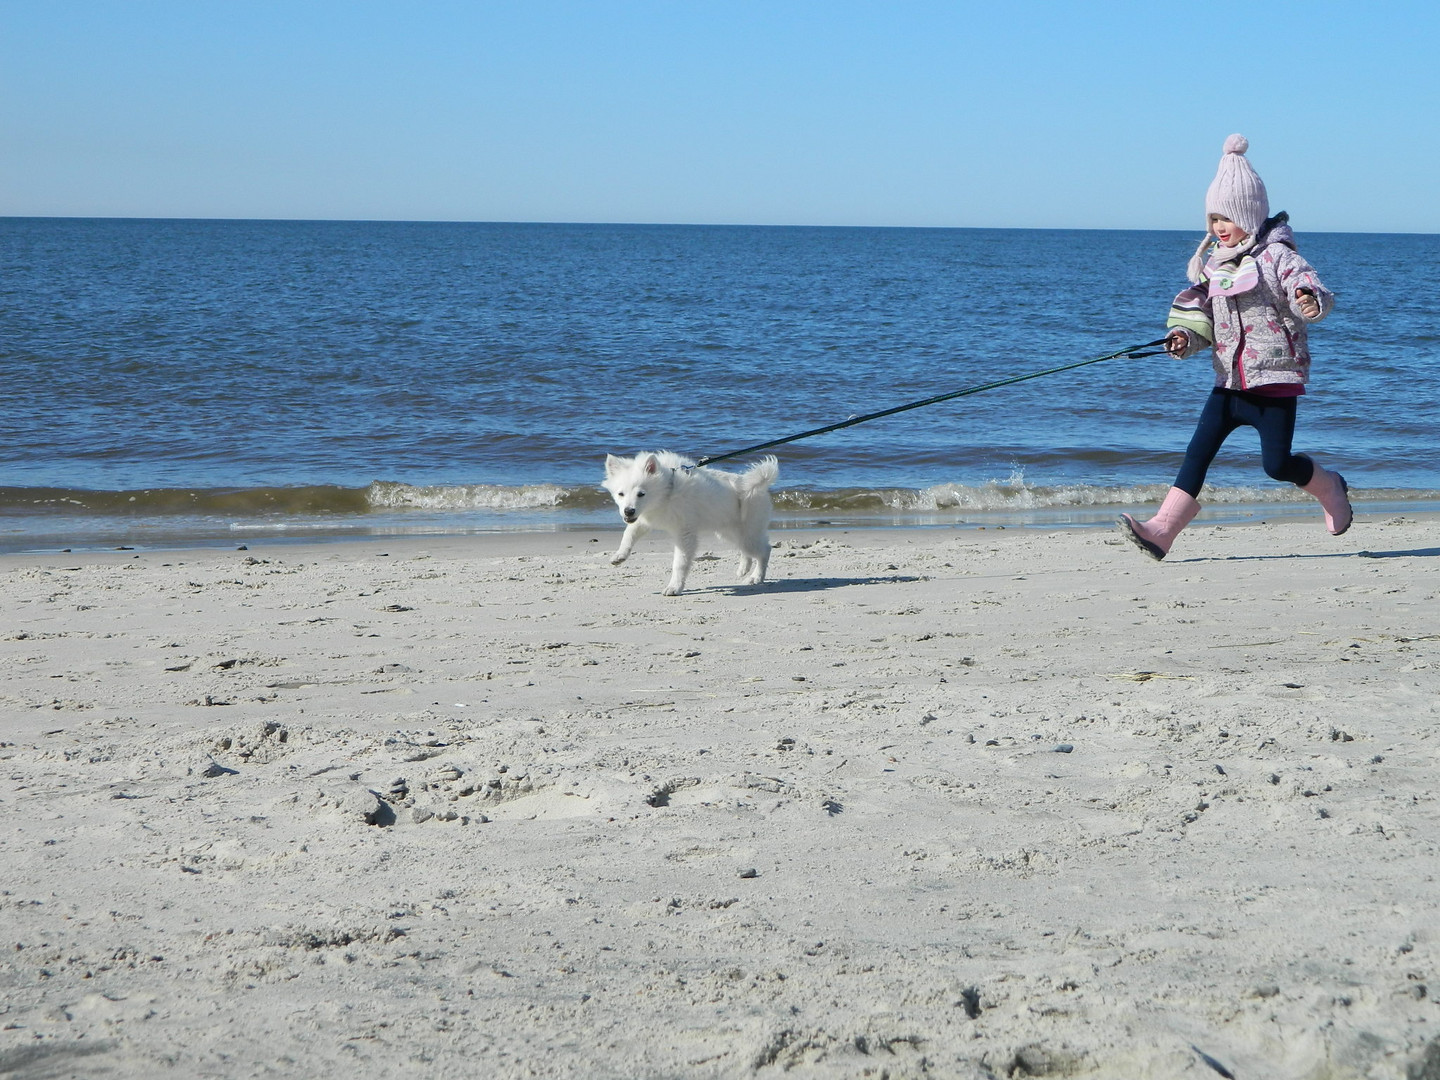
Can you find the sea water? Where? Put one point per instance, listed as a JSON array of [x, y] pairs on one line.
[[172, 382]]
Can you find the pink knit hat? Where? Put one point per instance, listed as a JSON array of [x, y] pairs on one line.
[[1237, 192]]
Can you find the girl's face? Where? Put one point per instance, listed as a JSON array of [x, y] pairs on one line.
[[1226, 231]]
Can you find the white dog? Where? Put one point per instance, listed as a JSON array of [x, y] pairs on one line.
[[666, 491]]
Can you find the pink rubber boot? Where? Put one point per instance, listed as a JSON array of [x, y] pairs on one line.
[[1155, 536], [1334, 495]]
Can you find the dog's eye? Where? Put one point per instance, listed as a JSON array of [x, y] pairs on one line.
[[639, 494]]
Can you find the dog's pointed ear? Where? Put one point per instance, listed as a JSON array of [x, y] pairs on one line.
[[613, 464], [652, 465]]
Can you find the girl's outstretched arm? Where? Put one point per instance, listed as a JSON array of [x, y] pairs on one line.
[[1304, 292]]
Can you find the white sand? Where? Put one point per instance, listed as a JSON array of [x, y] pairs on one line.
[[826, 827]]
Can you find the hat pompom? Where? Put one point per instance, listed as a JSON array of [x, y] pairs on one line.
[[1237, 144]]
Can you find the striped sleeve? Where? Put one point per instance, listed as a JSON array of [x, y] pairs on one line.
[[1191, 311]]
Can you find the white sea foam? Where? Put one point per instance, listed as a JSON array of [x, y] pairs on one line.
[[1015, 494], [387, 495]]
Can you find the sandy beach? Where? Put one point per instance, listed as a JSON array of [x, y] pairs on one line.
[[949, 803]]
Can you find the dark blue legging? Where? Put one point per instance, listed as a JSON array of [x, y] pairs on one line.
[[1225, 410]]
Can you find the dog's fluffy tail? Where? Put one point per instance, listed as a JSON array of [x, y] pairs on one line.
[[761, 475]]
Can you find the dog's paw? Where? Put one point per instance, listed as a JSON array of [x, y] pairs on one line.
[[619, 557], [672, 590]]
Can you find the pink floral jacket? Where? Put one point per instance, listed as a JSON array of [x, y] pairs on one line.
[[1246, 308]]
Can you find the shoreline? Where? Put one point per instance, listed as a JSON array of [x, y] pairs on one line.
[[933, 801], [577, 540], [390, 529]]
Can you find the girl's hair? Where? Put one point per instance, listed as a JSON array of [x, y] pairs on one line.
[[1196, 268]]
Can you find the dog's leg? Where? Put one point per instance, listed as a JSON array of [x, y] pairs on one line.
[[634, 531], [755, 538], [752, 566], [761, 563], [685, 545]]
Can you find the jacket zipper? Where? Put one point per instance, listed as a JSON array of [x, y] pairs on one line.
[[1240, 346]]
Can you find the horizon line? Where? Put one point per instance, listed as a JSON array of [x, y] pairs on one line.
[[648, 224]]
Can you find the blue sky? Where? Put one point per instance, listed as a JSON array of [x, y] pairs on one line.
[[1023, 114]]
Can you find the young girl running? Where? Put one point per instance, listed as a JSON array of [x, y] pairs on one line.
[[1251, 297]]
